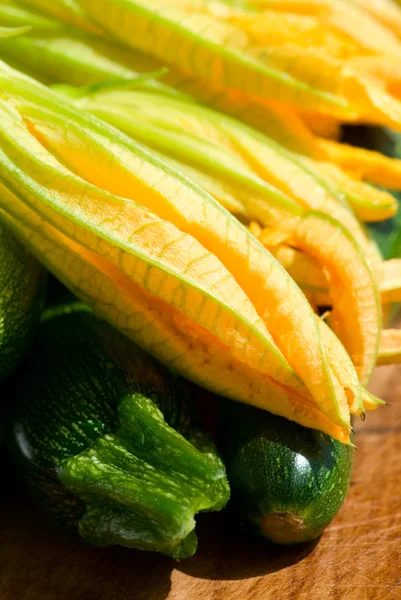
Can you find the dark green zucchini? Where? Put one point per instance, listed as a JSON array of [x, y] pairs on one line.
[[107, 441], [22, 294], [287, 482]]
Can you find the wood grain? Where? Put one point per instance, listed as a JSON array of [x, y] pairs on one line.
[[357, 558]]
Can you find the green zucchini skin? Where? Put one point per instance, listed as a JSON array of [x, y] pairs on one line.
[[287, 482], [22, 295], [107, 441]]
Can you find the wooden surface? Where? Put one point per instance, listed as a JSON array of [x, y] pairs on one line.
[[357, 558]]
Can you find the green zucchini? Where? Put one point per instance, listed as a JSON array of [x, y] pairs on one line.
[[287, 482], [107, 441], [22, 294]]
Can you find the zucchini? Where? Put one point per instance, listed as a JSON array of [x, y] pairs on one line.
[[107, 441], [287, 482], [22, 294]]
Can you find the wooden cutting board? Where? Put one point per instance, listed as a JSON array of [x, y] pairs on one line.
[[357, 558]]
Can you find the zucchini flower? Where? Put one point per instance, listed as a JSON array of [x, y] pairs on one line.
[[55, 51], [163, 262], [315, 55], [248, 174]]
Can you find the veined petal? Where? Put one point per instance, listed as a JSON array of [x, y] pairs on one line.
[[64, 53], [356, 313], [364, 164], [303, 268], [134, 173], [225, 153], [151, 252], [368, 203], [54, 51], [209, 47], [343, 368], [346, 18], [154, 324]]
